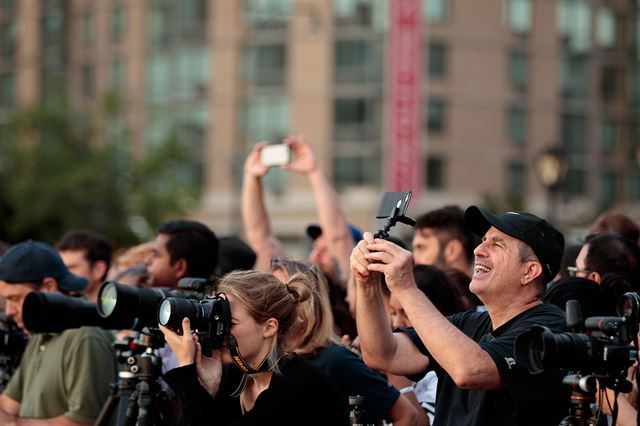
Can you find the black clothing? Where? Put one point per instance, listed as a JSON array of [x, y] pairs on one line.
[[301, 395], [526, 399]]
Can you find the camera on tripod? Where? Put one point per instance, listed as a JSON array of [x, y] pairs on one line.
[[12, 344]]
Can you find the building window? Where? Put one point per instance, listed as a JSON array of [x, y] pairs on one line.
[[516, 180], [575, 183], [634, 184], [574, 132], [356, 171], [117, 75], [574, 77], [87, 81], [606, 28], [356, 119], [608, 136], [357, 61], [608, 188], [8, 35], [87, 28], [517, 125], [574, 23], [436, 113], [179, 75], [265, 64], [519, 15], [268, 13], [435, 11], [361, 13], [436, 59], [435, 173], [7, 90], [267, 118], [518, 69], [117, 23], [608, 83]]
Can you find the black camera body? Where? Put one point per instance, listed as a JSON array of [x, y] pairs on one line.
[[210, 318], [601, 346], [392, 207]]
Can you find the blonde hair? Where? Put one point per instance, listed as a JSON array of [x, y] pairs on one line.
[[264, 297], [317, 328]]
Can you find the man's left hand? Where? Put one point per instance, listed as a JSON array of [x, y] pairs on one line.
[[393, 261]]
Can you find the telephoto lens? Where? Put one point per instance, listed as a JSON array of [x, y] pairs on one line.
[[135, 307]]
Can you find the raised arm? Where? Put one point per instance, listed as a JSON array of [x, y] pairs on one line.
[[254, 212], [332, 220], [381, 348], [463, 359]]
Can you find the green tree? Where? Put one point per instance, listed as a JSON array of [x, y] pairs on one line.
[[54, 177]]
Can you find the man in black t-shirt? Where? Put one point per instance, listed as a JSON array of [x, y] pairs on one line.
[[472, 352]]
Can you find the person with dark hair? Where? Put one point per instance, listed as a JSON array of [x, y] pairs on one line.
[[616, 222], [63, 378], [182, 248], [278, 387], [460, 281], [441, 239], [480, 380], [608, 253], [87, 254], [234, 255]]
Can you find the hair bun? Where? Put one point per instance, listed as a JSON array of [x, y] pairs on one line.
[[298, 291]]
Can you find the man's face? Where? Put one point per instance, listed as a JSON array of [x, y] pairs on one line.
[[321, 257], [399, 318], [77, 263], [426, 248], [161, 272], [14, 295], [498, 269]]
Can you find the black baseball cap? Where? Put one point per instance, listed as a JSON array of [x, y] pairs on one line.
[[33, 261], [544, 239]]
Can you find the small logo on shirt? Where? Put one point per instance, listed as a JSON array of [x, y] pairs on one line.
[[510, 362]]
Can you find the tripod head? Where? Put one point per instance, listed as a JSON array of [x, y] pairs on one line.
[[393, 207]]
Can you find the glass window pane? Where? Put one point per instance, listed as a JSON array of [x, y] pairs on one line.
[[517, 125], [608, 136], [519, 15], [265, 65], [608, 188], [7, 90], [518, 69], [435, 11], [576, 181], [435, 116], [117, 23], [361, 170], [574, 76], [574, 133], [356, 120], [87, 28], [516, 179], [436, 58], [435, 173], [606, 28], [574, 23], [357, 61]]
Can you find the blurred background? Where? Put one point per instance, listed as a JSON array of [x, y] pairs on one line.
[[118, 114]]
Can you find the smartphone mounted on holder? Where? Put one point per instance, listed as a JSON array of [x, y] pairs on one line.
[[275, 155], [393, 207]]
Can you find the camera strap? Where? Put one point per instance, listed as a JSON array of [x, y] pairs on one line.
[[239, 361]]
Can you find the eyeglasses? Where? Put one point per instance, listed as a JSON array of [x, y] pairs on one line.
[[573, 271]]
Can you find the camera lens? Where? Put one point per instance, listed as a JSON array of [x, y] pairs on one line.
[[164, 312], [107, 300]]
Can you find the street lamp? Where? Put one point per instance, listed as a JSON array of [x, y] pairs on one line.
[[551, 168]]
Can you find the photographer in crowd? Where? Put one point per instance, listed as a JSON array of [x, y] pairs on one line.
[[277, 388], [64, 378], [480, 382]]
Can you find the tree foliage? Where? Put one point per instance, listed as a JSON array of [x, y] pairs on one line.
[[55, 175]]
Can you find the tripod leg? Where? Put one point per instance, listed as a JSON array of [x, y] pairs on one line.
[[107, 410], [132, 409]]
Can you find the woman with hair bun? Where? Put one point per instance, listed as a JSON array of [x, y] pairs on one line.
[[277, 387]]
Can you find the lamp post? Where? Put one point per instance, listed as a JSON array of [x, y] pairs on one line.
[[551, 168]]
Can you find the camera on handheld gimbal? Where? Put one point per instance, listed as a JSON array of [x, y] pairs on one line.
[[598, 350], [392, 207]]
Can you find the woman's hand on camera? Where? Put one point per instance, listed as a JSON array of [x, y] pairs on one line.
[[209, 369], [252, 165], [182, 345], [302, 158]]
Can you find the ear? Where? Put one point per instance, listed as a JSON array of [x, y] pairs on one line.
[[532, 271], [452, 251], [595, 276], [270, 327], [99, 270], [49, 285], [180, 268]]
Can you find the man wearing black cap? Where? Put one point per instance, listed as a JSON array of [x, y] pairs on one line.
[[63, 379], [472, 352]]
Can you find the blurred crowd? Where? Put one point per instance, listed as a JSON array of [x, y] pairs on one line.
[[364, 330]]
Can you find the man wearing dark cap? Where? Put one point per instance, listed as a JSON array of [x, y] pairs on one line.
[[63, 379], [472, 352]]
